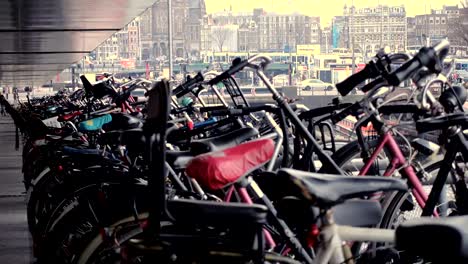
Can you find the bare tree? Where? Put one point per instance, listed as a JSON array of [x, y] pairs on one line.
[[220, 34]]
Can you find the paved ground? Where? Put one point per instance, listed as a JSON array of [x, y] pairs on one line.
[[14, 237]]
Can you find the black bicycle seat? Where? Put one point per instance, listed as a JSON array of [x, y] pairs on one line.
[[328, 190], [439, 240], [133, 139]]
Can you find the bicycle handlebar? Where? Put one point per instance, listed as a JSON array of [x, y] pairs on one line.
[[426, 56], [335, 118], [374, 68], [187, 86], [238, 65], [346, 86], [243, 111], [375, 84], [316, 112]]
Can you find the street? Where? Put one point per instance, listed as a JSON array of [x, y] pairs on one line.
[[15, 242]]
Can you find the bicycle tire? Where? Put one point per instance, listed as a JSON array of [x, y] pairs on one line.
[[397, 199], [76, 227], [41, 199]]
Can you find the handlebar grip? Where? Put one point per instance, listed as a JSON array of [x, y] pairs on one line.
[[427, 56], [227, 112], [237, 65], [404, 72], [219, 78], [352, 81], [444, 44], [379, 82], [344, 113], [212, 108], [179, 89], [258, 108], [185, 88]]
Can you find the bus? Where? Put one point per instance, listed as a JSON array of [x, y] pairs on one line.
[[277, 57]]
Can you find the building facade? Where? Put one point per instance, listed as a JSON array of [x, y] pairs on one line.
[[108, 51], [411, 35], [248, 37], [372, 28], [431, 28], [196, 12], [186, 21], [133, 31], [464, 25], [278, 32], [326, 44], [445, 23], [315, 30], [240, 28], [146, 35]]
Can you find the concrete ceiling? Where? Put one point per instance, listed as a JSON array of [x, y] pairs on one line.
[[38, 39]]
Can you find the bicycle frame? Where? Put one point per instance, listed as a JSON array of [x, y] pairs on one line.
[[428, 203], [247, 186], [457, 144], [398, 160], [333, 251]]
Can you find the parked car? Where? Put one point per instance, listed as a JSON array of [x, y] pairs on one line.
[[316, 84]]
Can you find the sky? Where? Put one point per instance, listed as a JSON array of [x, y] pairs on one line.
[[326, 9]]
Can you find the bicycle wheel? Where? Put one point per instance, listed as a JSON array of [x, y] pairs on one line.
[[41, 197], [84, 215], [402, 206]]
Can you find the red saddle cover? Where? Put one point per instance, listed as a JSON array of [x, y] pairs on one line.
[[215, 170], [67, 117]]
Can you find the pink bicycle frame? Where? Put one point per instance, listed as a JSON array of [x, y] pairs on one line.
[[246, 199], [398, 159]]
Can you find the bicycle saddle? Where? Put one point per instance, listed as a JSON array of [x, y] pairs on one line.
[[328, 190], [224, 141], [215, 170], [439, 240], [95, 124], [128, 137]]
